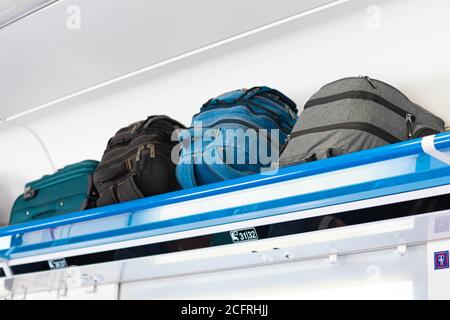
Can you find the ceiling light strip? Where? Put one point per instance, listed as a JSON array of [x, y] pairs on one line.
[[26, 13]]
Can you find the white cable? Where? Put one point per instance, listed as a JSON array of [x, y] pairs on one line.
[[429, 148]]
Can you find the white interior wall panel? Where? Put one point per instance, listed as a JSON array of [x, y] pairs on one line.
[[373, 275], [404, 43]]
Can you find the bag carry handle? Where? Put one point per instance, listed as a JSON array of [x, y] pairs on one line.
[[252, 92], [127, 135], [246, 95], [123, 135], [282, 97], [150, 120], [185, 172]]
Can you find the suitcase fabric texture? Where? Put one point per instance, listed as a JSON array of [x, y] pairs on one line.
[[354, 114], [68, 190], [137, 162], [240, 110]]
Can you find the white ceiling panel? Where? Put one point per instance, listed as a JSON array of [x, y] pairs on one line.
[[74, 45]]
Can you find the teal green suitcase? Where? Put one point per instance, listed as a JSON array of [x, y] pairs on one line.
[[68, 190]]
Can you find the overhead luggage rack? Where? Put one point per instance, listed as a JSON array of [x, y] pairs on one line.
[[392, 196]]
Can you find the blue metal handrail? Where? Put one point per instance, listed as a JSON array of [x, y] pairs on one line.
[[403, 149]]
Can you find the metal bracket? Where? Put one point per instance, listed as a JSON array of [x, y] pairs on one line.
[[91, 283], [13, 293], [6, 269], [288, 254], [401, 249], [333, 254], [62, 289], [401, 244], [333, 258]]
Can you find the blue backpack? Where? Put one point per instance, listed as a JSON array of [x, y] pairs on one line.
[[241, 133]]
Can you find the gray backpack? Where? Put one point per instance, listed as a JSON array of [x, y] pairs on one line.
[[354, 114]]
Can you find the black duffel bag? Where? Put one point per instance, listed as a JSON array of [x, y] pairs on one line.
[[137, 162]]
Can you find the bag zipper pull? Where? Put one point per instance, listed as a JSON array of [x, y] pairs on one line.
[[286, 142], [409, 120], [138, 154], [288, 138], [291, 112], [151, 147], [370, 81]]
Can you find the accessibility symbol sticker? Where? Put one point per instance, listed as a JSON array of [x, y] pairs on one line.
[[441, 260]]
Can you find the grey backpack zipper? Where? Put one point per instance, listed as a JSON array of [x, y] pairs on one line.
[[409, 122], [370, 81]]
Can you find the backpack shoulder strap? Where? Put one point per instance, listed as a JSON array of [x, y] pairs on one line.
[[185, 171]]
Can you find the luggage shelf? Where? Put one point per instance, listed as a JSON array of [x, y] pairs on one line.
[[232, 213]]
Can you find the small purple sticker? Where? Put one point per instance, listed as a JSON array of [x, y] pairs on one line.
[[441, 260]]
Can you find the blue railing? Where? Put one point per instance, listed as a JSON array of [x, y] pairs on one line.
[[404, 149]]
